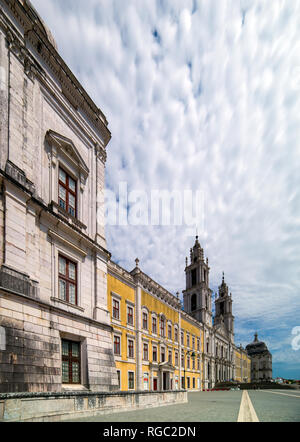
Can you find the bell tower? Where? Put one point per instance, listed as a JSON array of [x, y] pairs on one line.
[[223, 309], [197, 295]]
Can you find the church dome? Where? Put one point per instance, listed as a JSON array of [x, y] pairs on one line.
[[256, 347]]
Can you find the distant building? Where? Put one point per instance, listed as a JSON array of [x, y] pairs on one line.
[[261, 360]]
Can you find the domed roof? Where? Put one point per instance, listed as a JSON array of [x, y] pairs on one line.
[[256, 347]]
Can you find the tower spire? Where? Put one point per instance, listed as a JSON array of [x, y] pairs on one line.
[[197, 295]]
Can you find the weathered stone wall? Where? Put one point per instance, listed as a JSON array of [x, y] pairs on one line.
[[58, 407], [31, 360], [1, 223], [4, 60]]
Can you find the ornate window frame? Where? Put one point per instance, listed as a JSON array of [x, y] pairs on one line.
[[145, 311], [162, 320], [130, 304], [130, 338], [154, 316], [117, 334], [62, 153], [169, 324], [61, 247], [118, 298]]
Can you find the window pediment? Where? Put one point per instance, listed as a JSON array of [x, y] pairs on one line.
[[69, 149]]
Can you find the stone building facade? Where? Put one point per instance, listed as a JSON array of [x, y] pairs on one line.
[[71, 318], [261, 360], [55, 325]]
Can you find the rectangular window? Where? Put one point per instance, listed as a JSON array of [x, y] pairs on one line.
[[162, 327], [116, 309], [130, 348], [188, 340], [182, 360], [194, 383], [193, 363], [145, 352], [193, 343], [188, 382], [198, 344], [198, 364], [70, 362], [117, 345], [129, 315], [188, 362], [162, 355], [67, 280], [170, 357], [67, 193], [145, 321], [169, 331], [176, 334], [176, 359], [154, 354], [154, 325], [130, 380], [182, 338]]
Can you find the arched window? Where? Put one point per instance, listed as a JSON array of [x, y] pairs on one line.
[[194, 302]]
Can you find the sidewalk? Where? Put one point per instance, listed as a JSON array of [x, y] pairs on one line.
[[205, 406]]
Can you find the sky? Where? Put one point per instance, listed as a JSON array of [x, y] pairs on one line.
[[202, 96]]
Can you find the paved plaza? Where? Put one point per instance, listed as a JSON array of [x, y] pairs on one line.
[[216, 406]]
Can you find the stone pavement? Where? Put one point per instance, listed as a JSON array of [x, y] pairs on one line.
[[216, 406], [276, 405]]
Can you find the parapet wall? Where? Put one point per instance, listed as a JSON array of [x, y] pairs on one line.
[[49, 407]]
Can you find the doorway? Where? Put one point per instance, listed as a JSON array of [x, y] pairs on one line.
[[165, 381]]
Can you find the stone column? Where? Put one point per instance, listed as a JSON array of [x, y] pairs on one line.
[[4, 104], [15, 228], [100, 179], [179, 350], [139, 368], [101, 312]]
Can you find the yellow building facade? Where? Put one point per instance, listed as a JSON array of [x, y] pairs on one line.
[[157, 345], [242, 366]]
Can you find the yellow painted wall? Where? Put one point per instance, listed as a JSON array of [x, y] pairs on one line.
[[193, 330], [242, 366], [126, 293]]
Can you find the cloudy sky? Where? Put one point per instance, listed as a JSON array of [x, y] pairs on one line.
[[203, 95]]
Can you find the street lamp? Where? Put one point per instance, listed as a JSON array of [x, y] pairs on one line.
[[189, 352]]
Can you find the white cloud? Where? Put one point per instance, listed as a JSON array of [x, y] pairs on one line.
[[201, 95]]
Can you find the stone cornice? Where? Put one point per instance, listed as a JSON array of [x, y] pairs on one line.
[[115, 270], [190, 318], [152, 287]]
